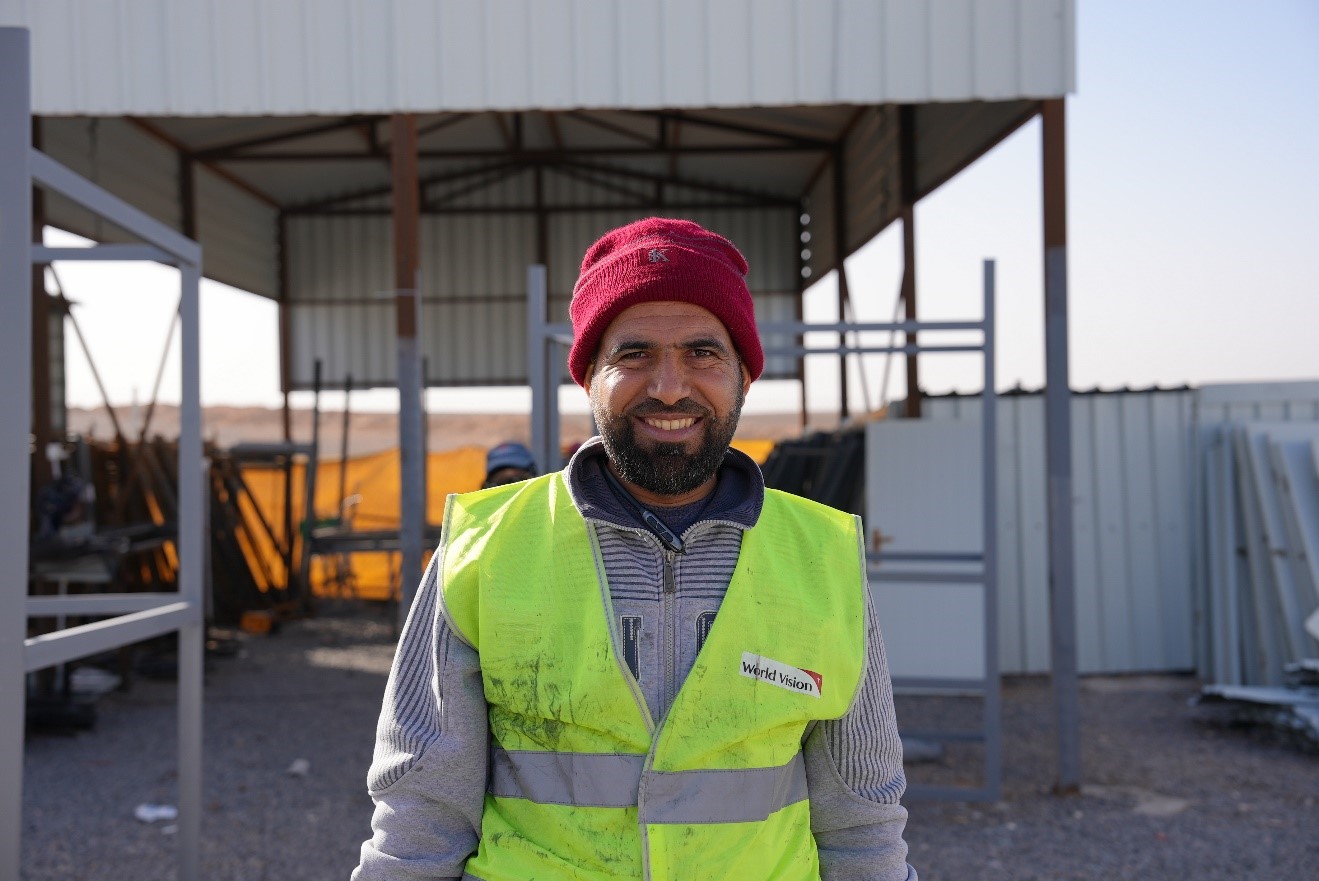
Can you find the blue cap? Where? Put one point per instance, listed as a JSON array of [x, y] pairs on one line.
[[509, 454]]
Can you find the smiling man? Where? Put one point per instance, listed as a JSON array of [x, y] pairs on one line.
[[647, 665]]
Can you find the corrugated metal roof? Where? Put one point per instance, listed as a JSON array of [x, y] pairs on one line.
[[295, 57], [749, 109]]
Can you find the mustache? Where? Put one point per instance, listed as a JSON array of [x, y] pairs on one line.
[[652, 407]]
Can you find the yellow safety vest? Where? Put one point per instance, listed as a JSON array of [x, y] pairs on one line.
[[583, 783]]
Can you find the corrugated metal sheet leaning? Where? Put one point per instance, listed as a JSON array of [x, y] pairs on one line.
[[1258, 457]]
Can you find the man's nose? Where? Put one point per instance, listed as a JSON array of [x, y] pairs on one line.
[[668, 381]]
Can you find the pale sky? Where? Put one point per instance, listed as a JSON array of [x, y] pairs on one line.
[[1193, 213]]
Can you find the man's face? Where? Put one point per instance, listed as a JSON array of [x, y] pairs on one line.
[[666, 389]]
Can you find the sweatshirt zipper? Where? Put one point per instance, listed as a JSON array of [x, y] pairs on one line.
[[670, 593]]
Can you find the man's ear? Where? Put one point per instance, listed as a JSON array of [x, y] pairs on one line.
[[590, 374], [746, 377]]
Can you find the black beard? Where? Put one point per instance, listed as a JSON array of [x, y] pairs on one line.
[[667, 469]]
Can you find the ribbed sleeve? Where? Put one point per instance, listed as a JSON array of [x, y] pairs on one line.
[[865, 743], [410, 714], [428, 774], [855, 780]]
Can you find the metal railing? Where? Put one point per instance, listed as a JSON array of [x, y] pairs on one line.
[[134, 616]]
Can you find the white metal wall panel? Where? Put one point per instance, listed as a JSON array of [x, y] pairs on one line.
[[857, 38], [1131, 519], [994, 45], [773, 26], [244, 57], [905, 42], [729, 70], [641, 31], [816, 58], [1257, 402], [1031, 516], [685, 73], [474, 300], [1047, 33], [952, 45], [119, 157], [1175, 518], [237, 233], [923, 483], [235, 229]]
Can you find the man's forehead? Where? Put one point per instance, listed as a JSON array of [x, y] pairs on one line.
[[666, 317]]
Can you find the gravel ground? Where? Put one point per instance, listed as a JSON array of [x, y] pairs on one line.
[[1170, 793]]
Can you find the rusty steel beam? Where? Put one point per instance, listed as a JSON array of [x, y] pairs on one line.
[[530, 154], [230, 150], [907, 159], [217, 170], [1058, 450], [840, 268], [43, 431], [407, 282], [797, 141]]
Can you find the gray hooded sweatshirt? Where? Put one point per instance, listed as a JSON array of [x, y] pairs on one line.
[[428, 775]]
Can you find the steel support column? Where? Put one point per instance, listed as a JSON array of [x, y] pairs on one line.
[[192, 574], [840, 267], [286, 383], [407, 310], [16, 401], [1058, 452], [907, 176], [43, 422]]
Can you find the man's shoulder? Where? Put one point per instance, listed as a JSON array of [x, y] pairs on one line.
[[778, 501], [497, 502]]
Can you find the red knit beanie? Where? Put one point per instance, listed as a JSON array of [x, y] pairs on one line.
[[661, 259]]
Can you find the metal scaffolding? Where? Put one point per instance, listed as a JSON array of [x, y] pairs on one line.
[[134, 616]]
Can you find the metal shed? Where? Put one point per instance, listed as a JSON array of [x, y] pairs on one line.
[[267, 132], [386, 171]]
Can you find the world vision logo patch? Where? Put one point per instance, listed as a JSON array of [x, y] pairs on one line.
[[783, 675]]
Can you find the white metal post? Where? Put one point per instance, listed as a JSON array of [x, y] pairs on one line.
[[993, 711], [192, 577], [1058, 451], [16, 404], [407, 300], [544, 395]]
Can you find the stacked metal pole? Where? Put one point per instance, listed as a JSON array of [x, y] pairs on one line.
[[15, 361]]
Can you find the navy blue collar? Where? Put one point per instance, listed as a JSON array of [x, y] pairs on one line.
[[738, 496]]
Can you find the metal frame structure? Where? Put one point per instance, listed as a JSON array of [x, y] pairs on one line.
[[546, 376], [135, 616], [989, 686]]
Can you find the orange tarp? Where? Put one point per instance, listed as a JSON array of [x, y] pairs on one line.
[[369, 502]]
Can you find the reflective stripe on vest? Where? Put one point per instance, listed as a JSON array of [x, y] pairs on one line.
[[584, 784], [593, 780]]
